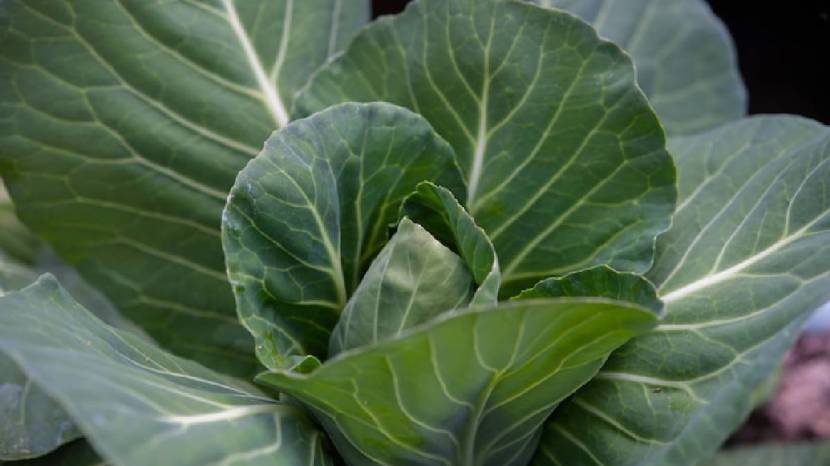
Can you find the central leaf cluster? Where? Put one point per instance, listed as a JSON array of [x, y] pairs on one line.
[[490, 180]]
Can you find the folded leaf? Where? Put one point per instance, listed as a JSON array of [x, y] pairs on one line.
[[686, 62], [438, 211], [122, 127], [139, 405], [600, 282], [412, 280], [745, 262], [306, 217], [563, 157], [468, 388]]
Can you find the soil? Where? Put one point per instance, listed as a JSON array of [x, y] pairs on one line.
[[799, 408]]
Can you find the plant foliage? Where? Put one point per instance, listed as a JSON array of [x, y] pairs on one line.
[[479, 232]]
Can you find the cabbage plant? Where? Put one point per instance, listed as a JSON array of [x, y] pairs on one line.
[[478, 232]]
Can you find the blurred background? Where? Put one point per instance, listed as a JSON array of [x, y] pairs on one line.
[[784, 57]]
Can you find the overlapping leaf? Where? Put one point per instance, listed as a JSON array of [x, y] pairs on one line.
[[140, 405], [33, 424], [437, 209], [413, 279], [468, 388], [746, 260], [122, 126], [563, 158], [602, 282], [306, 217], [685, 60]]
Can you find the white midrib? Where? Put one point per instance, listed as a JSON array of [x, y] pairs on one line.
[[272, 99], [230, 414], [726, 274], [481, 137], [481, 145]]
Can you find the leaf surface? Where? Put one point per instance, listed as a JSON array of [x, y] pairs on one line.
[[563, 158], [601, 282], [413, 279], [139, 405], [745, 262], [306, 217], [686, 61], [468, 388], [33, 424], [439, 212], [122, 127]]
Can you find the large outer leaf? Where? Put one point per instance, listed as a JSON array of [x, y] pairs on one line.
[[122, 126], [686, 63], [141, 406], [305, 218], [563, 157], [469, 388], [746, 260], [435, 208], [412, 280]]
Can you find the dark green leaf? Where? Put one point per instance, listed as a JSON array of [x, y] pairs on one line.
[[122, 127], [745, 262], [563, 158], [468, 388], [412, 280], [139, 405], [306, 217], [685, 59]]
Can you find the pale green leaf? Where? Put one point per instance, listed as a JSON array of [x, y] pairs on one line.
[[306, 217], [745, 262], [602, 282], [438, 211], [686, 62], [122, 126], [32, 423], [413, 279], [468, 388], [797, 454], [139, 405], [563, 158]]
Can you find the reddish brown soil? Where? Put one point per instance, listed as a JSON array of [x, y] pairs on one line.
[[800, 406]]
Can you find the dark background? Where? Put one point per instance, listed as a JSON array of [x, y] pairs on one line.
[[783, 52]]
